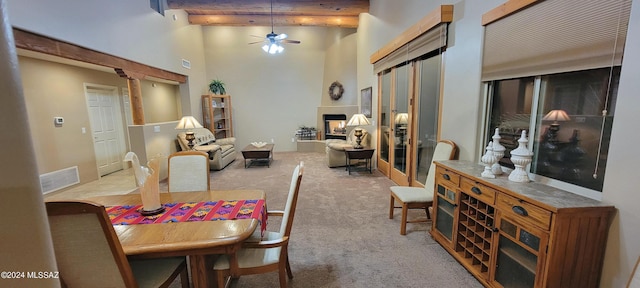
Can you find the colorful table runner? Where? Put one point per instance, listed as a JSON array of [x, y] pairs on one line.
[[192, 211]]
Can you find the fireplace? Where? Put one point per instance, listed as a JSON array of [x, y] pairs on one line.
[[335, 126]]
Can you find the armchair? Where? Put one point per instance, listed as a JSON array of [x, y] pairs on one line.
[[221, 151], [335, 148]]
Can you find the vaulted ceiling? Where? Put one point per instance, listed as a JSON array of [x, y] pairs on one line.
[[328, 13]]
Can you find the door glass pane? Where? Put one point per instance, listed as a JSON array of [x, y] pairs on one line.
[[385, 111], [508, 228], [516, 267], [570, 146], [444, 218], [428, 102], [401, 118], [529, 239]]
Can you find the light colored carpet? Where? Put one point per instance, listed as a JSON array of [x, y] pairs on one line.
[[342, 235]]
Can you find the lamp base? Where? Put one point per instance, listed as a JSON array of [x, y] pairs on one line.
[[152, 212], [358, 134], [190, 137]]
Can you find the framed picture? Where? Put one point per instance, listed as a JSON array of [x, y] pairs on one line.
[[365, 102]]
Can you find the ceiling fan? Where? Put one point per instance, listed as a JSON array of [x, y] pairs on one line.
[[273, 42]]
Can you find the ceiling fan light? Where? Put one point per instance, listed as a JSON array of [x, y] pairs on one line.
[[273, 48], [265, 47], [280, 48]]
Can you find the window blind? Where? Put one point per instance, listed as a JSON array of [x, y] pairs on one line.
[[431, 40], [556, 36]]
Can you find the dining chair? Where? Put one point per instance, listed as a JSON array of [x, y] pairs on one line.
[[89, 254], [418, 197], [266, 253], [188, 171]]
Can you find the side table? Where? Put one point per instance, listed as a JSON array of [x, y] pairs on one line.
[[360, 154]]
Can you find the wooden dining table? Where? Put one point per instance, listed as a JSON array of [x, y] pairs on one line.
[[200, 240]]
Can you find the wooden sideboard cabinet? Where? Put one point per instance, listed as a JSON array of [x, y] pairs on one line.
[[511, 234]]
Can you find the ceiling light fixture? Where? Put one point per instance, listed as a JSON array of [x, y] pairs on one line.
[[272, 44]]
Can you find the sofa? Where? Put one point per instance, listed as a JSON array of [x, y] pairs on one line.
[[221, 151], [334, 149]]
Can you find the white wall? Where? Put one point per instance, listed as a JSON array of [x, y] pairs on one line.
[[273, 95], [463, 104], [621, 180], [126, 28]]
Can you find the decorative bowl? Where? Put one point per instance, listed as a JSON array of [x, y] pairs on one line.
[[258, 144]]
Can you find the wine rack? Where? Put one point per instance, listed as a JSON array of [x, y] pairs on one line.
[[475, 232]]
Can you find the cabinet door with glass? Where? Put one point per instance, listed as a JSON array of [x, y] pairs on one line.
[[445, 204], [519, 255]]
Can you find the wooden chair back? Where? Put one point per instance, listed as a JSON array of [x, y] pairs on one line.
[[292, 200], [188, 171], [445, 150], [86, 246], [634, 279]]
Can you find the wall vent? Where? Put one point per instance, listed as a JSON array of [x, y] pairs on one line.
[[57, 180]]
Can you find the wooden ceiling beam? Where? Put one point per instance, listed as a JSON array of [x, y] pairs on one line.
[[38, 43], [295, 7], [265, 20]]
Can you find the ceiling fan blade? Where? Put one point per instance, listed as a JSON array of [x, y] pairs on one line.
[[291, 41], [281, 36], [256, 42], [256, 36]]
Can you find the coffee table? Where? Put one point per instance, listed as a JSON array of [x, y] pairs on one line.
[[262, 154]]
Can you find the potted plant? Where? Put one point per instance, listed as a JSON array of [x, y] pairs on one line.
[[217, 87]]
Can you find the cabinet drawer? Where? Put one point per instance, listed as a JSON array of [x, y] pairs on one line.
[[478, 191], [447, 177], [521, 210]]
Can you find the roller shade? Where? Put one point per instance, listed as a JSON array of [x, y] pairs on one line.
[[434, 39], [556, 36]]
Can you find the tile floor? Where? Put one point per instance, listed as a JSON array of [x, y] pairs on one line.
[[121, 182]]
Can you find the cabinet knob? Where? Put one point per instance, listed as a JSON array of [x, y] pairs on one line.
[[476, 190], [520, 210], [494, 229], [446, 177]]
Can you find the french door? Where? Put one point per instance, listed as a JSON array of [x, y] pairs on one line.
[[409, 112], [395, 122]]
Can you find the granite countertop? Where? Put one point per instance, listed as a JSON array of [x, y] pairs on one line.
[[549, 197]]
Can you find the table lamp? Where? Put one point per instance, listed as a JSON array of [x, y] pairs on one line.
[[357, 120], [555, 115], [188, 122], [402, 120]]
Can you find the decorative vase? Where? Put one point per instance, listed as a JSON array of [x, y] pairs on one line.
[[488, 159], [521, 157], [147, 180], [498, 151]]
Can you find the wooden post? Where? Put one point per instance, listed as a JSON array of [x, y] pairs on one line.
[[135, 94]]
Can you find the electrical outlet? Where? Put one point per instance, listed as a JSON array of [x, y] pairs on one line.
[[293, 140], [272, 141]]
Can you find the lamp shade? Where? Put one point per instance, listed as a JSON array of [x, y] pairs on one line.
[[188, 122], [402, 118], [358, 119], [556, 115]]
